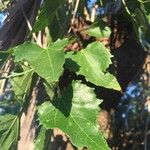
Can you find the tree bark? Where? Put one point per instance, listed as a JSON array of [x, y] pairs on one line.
[[27, 124], [15, 28]]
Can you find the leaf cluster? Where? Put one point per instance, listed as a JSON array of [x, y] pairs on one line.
[[74, 109]]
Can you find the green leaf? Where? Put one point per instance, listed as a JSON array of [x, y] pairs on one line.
[[59, 25], [141, 26], [3, 57], [75, 114], [21, 84], [39, 143], [99, 30], [47, 63], [9, 131], [50, 89], [92, 62], [5, 121], [47, 13], [4, 4]]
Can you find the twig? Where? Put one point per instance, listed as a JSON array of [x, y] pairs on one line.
[[75, 11], [146, 130], [6, 68], [74, 14], [28, 23], [16, 74], [93, 13], [128, 11]]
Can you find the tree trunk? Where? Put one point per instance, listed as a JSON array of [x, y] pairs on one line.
[[28, 125]]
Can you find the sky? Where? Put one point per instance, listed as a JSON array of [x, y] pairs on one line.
[[2, 18]]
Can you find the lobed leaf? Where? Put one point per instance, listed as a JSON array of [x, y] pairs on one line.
[[75, 114], [48, 63], [92, 62]]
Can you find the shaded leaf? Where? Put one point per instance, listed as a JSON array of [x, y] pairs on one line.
[[9, 134], [22, 83], [5, 121], [50, 89], [39, 142], [47, 13], [59, 25], [75, 114], [3, 57]]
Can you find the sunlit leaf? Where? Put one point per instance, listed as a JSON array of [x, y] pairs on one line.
[[99, 30], [75, 114], [92, 62], [48, 63]]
